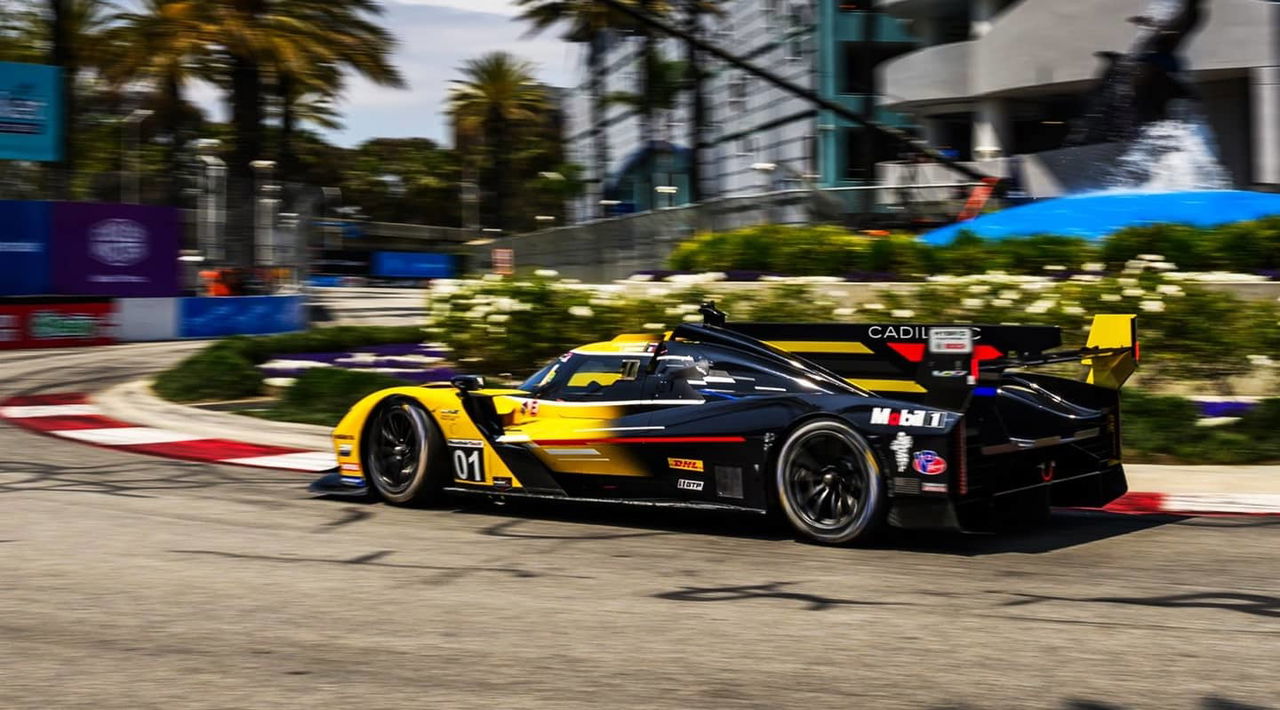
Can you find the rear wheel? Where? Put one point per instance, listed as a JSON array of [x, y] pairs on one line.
[[829, 484], [404, 453]]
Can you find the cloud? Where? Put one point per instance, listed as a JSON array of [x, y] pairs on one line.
[[494, 7], [435, 39]]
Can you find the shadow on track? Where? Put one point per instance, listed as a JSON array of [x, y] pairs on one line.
[[1066, 528]]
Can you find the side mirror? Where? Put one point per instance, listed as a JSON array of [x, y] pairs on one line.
[[467, 383]]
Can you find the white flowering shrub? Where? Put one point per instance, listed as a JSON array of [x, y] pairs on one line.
[[1187, 332]]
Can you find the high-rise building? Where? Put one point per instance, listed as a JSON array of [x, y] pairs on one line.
[[758, 138], [994, 79]]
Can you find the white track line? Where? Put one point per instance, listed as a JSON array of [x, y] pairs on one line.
[[33, 411], [301, 461], [126, 436], [1255, 503]]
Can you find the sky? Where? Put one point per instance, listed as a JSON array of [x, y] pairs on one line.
[[436, 37]]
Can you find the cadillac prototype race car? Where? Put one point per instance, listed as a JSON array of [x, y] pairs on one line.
[[840, 428]]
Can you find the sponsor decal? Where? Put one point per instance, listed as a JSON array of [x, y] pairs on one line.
[[118, 242], [353, 480], [898, 332], [950, 341], [929, 463], [908, 417], [529, 408], [344, 450], [502, 483], [1047, 470], [21, 247], [688, 485], [901, 447], [686, 465], [467, 443], [344, 437], [929, 487], [52, 325], [350, 467], [950, 373]]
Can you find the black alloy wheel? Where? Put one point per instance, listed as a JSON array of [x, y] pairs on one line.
[[829, 483], [400, 443]]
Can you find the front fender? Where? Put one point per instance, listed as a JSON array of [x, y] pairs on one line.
[[346, 435]]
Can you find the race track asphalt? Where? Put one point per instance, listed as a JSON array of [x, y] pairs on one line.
[[136, 582]]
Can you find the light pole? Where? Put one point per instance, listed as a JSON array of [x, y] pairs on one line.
[[264, 211], [211, 208], [133, 137]]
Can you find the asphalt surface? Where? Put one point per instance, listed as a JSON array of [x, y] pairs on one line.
[[130, 582]]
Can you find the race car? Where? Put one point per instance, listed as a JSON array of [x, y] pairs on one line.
[[841, 429]]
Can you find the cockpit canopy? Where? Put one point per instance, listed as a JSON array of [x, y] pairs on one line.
[[675, 370]]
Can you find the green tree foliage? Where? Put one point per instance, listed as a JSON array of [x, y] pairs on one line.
[[495, 107], [410, 180]]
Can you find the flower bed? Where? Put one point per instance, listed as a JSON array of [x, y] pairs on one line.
[[1188, 333]]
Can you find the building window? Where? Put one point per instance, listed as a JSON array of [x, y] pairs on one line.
[[747, 147], [770, 13], [738, 91], [797, 30], [862, 150]]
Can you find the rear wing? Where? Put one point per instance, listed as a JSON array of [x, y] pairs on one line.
[[942, 363]]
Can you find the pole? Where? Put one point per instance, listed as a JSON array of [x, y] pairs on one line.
[[813, 97], [698, 107]]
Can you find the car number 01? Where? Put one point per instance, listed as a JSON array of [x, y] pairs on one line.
[[467, 466]]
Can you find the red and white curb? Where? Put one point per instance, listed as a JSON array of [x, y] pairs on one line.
[[72, 416], [1197, 503]]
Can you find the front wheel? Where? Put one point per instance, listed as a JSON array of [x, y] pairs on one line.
[[404, 453], [829, 484]]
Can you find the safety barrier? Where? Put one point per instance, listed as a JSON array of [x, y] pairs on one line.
[[55, 321]]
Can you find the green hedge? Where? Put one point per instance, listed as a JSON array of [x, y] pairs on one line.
[[226, 369], [322, 395], [832, 251], [1163, 429]]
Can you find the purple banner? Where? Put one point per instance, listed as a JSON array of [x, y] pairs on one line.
[[115, 250]]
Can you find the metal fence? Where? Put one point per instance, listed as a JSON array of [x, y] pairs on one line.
[[614, 248]]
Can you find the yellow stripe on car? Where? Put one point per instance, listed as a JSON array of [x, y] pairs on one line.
[[821, 346]]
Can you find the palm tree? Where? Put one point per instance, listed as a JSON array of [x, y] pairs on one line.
[[497, 98], [167, 46], [314, 70], [587, 22], [258, 38], [71, 24]]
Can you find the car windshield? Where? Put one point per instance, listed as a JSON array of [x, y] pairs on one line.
[[578, 376]]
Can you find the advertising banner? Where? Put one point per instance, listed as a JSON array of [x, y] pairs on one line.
[[115, 250], [30, 112], [55, 323], [412, 265], [24, 248], [214, 317]]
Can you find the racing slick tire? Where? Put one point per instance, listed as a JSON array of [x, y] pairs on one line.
[[404, 453], [829, 485]]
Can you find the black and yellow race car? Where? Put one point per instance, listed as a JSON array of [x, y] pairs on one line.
[[841, 428]]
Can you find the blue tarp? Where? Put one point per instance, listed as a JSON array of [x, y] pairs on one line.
[[412, 265], [1097, 215]]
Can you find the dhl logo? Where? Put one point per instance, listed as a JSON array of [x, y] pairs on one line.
[[685, 464]]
